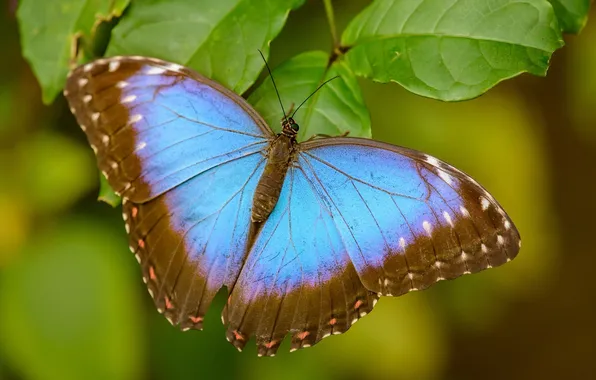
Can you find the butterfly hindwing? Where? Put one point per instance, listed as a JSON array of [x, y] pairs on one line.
[[298, 278], [185, 154]]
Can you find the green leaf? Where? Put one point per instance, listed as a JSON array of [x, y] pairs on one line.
[[106, 193], [48, 30], [218, 38], [54, 171], [73, 313], [451, 50], [572, 14], [336, 108]]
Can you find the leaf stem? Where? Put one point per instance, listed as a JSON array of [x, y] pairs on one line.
[[331, 21]]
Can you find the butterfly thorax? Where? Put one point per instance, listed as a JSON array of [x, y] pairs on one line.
[[269, 187]]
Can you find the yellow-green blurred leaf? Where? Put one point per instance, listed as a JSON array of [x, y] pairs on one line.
[[54, 171], [70, 312], [106, 193], [14, 226]]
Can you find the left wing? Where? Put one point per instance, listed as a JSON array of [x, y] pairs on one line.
[[357, 219]]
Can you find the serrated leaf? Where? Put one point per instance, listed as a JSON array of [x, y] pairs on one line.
[[451, 50], [572, 14], [106, 193], [335, 109], [48, 29], [218, 38]]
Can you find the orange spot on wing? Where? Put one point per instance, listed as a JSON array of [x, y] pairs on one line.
[[168, 303], [332, 321], [237, 335], [152, 274], [134, 212], [270, 344], [196, 319], [358, 304], [303, 335], [141, 243]]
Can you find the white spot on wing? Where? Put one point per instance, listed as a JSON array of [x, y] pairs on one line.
[[105, 139], [175, 67], [95, 116], [114, 65], [483, 248], [121, 84], [507, 224], [128, 99], [94, 148], [484, 203], [156, 71], [87, 98], [83, 81], [447, 218], [427, 227], [431, 160], [464, 211], [402, 243], [88, 67], [446, 177], [141, 145], [134, 118], [500, 240]]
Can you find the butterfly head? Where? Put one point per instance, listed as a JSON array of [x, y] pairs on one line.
[[289, 127]]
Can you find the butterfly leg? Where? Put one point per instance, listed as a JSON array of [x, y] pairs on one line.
[[322, 135]]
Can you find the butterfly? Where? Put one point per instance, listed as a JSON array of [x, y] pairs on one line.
[[305, 236]]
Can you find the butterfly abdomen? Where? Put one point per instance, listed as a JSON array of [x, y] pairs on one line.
[[272, 180]]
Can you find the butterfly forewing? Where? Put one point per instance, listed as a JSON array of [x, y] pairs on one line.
[[407, 219]]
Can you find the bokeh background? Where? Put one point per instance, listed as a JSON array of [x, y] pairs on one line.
[[73, 306]]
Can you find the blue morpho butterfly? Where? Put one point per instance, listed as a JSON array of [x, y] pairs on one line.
[[305, 236]]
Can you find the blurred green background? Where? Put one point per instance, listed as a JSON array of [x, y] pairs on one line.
[[73, 306]]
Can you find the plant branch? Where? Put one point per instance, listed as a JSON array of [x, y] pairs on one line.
[[331, 21]]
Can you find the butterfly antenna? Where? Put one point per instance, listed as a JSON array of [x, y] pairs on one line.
[[274, 86], [314, 92]]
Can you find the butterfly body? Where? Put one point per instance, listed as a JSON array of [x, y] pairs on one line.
[[305, 236], [281, 154]]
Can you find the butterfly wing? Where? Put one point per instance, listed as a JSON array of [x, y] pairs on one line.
[[358, 219], [185, 154]]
